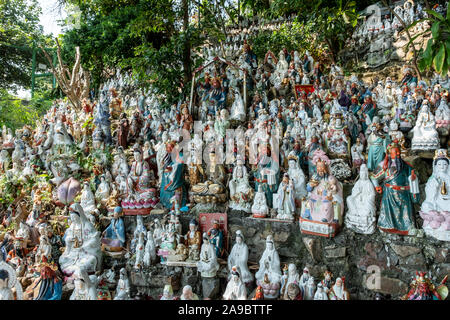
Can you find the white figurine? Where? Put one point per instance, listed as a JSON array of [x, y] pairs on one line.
[[259, 207], [208, 265], [123, 286], [269, 273], [150, 250], [238, 257], [320, 293], [435, 209], [188, 294], [286, 201], [82, 240], [361, 215], [425, 136], [8, 281], [85, 286], [235, 288]]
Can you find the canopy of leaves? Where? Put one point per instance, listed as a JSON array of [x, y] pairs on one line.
[[19, 28]]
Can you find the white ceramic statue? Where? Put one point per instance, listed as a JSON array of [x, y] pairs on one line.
[[208, 265], [238, 257], [425, 136], [150, 250], [285, 199], [123, 286], [82, 242], [236, 289], [259, 207], [361, 215], [435, 209], [8, 281], [241, 194], [85, 286], [269, 273]]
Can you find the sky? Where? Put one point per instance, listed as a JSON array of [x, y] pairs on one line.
[[50, 15], [49, 20]]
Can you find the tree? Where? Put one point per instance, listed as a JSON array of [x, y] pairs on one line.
[[19, 28], [437, 52]]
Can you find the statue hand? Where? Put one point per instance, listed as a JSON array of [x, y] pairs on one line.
[[379, 189]]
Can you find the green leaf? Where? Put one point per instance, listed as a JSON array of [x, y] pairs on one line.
[[437, 15], [428, 55], [435, 29], [422, 65], [439, 59], [412, 25]]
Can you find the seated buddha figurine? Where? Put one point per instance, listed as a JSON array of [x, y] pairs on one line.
[[425, 136], [213, 189]]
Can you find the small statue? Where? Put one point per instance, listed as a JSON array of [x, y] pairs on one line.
[[400, 190], [269, 273], [188, 294], [123, 286], [286, 199], [239, 257], [320, 293], [193, 240], [216, 238], [140, 249], [168, 293], [114, 234], [150, 250], [85, 286], [259, 207], [435, 209], [361, 215], [241, 194], [293, 292], [82, 244], [423, 289], [338, 291], [235, 288], [310, 289], [8, 281], [425, 136], [207, 265]]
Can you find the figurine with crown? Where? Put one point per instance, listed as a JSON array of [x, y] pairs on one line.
[[435, 210], [399, 185], [423, 289], [322, 212], [337, 139]]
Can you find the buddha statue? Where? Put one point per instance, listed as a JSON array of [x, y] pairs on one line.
[[213, 189], [241, 194], [188, 294], [269, 273], [435, 209], [82, 242], [114, 234], [361, 214], [425, 136], [238, 257]]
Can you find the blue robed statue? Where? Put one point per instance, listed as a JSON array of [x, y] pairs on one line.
[[114, 234], [172, 182]]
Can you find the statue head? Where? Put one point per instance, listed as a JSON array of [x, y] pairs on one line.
[[168, 291], [269, 242], [123, 273], [4, 277], [441, 161], [187, 292], [364, 172], [239, 237], [293, 290], [193, 225]]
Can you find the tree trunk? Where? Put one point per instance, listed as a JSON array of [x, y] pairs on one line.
[[187, 44]]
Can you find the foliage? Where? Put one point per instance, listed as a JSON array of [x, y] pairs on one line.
[[298, 36], [437, 52], [15, 113], [19, 28]]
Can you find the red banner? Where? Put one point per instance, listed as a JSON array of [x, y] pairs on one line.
[[303, 88]]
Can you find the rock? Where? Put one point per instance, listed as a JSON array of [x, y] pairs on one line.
[[314, 247], [210, 288], [441, 255], [339, 252], [281, 236], [367, 261], [67, 290], [416, 261], [394, 287], [373, 248], [405, 251]]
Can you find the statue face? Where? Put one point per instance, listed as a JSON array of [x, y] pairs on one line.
[[321, 168], [394, 153], [75, 218], [269, 245], [239, 172], [238, 240], [187, 293], [442, 166], [192, 227], [3, 283]]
